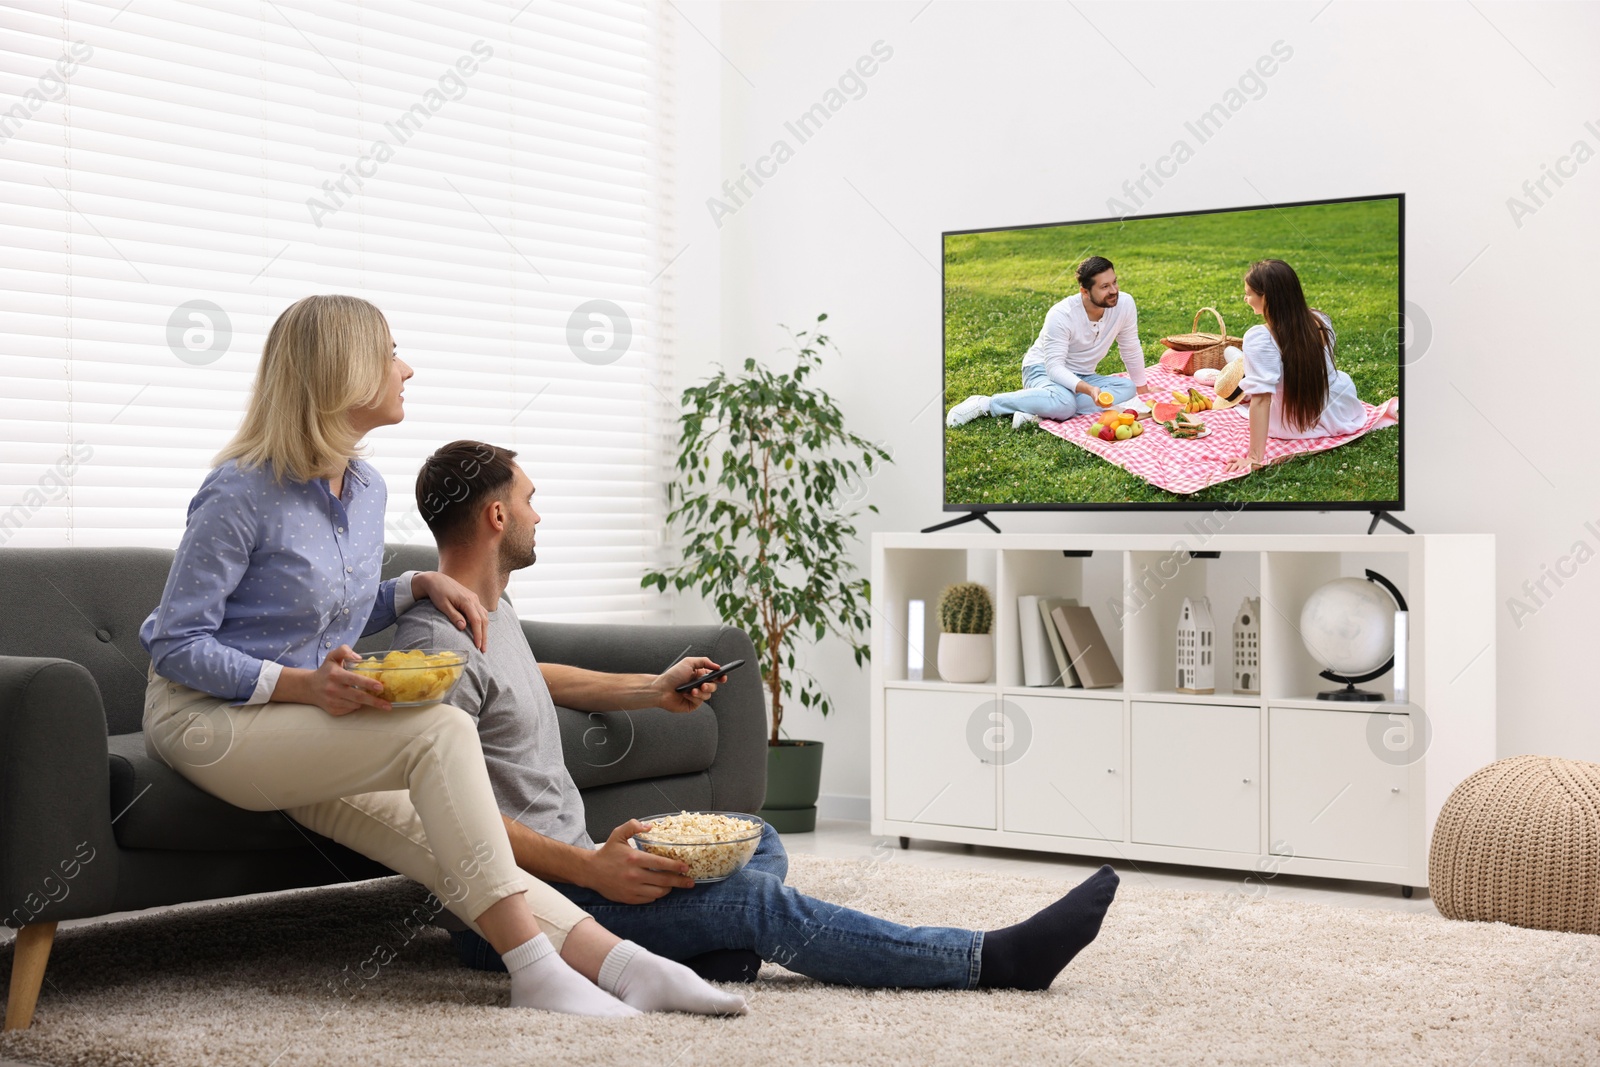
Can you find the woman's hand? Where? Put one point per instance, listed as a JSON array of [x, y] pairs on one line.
[[331, 687], [1242, 463], [455, 602]]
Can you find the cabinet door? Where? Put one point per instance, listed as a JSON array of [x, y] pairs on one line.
[[1197, 776], [1332, 796], [1062, 774], [935, 772]]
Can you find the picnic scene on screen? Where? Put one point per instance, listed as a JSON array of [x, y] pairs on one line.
[[1248, 357]]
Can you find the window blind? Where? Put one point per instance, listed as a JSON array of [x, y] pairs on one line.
[[489, 174]]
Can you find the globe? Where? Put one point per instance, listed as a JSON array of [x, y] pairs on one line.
[[1348, 626]]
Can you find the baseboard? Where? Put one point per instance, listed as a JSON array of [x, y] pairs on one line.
[[844, 806]]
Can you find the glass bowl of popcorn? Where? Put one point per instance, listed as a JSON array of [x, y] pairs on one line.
[[413, 677], [714, 844]]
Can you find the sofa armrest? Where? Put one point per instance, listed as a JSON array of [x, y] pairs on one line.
[[58, 859], [738, 771]]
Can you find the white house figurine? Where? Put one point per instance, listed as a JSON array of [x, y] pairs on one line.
[[1247, 647], [1197, 647]]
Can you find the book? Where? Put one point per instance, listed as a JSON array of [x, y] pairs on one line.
[[1086, 647], [1038, 666], [1063, 674]]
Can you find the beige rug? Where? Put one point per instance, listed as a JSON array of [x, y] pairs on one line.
[[1175, 978]]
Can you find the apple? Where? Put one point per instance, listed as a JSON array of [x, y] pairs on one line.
[[1137, 429], [1124, 432], [1107, 434]]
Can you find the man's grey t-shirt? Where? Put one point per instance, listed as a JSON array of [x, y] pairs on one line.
[[504, 691]]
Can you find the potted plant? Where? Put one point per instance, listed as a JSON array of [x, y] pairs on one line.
[[966, 651], [765, 501]]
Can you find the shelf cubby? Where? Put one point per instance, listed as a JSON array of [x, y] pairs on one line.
[[1289, 670], [1094, 581]]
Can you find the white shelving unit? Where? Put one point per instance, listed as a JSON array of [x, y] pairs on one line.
[[1279, 781]]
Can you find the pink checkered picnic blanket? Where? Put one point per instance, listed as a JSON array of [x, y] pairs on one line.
[[1187, 466]]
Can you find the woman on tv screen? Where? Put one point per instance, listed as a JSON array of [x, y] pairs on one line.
[[1287, 376]]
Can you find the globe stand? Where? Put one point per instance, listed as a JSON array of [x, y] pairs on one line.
[[1350, 692]]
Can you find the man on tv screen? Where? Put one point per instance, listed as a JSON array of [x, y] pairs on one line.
[[1058, 372]]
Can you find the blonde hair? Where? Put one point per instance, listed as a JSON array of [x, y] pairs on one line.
[[324, 356]]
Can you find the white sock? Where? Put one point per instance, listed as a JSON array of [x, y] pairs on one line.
[[1019, 419], [640, 978], [540, 978]]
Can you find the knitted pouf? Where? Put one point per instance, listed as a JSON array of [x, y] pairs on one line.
[[1519, 842]]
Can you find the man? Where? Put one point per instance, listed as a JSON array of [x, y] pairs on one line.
[[478, 503], [1058, 373]]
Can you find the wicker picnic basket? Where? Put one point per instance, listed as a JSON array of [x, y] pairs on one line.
[[1204, 350]]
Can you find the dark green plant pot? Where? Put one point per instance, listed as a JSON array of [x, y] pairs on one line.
[[794, 777]]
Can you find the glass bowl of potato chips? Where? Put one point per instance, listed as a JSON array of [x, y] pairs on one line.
[[413, 677]]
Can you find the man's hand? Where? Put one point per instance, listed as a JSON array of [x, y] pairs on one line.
[[685, 670], [618, 871], [1141, 389]]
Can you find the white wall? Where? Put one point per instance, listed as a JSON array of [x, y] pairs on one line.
[[998, 114]]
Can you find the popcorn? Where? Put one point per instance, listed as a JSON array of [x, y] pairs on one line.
[[713, 845], [413, 676]]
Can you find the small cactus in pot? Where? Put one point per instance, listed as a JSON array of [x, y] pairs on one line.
[[966, 651], [965, 608]]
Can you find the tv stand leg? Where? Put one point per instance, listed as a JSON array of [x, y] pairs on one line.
[[971, 516], [1384, 516]]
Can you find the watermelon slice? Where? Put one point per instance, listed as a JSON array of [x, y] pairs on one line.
[[1165, 412]]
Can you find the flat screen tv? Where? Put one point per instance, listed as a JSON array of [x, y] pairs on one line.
[[1045, 323]]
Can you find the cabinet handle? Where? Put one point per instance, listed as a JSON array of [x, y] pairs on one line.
[[1111, 770], [1394, 789], [1247, 781]]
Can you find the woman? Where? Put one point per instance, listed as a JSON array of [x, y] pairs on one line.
[[1290, 382], [250, 699]]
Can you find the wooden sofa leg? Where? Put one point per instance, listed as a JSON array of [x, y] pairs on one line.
[[32, 951]]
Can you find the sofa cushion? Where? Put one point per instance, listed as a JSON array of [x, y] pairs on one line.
[[156, 807], [86, 605], [605, 748]]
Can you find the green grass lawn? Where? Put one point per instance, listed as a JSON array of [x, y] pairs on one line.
[[998, 287]]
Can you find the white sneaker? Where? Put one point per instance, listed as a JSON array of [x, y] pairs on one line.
[[1019, 419], [967, 410]]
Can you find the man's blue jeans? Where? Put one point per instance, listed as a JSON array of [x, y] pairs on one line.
[[755, 910], [1042, 397]]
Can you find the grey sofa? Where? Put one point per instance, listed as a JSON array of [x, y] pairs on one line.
[[90, 825]]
